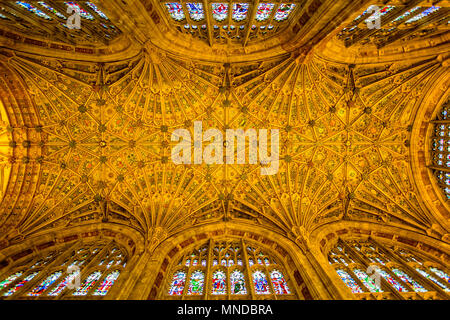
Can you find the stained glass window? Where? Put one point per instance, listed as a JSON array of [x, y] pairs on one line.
[[349, 281], [107, 283], [83, 13], [195, 11], [423, 14], [97, 10], [406, 278], [196, 283], [279, 283], [260, 283], [175, 10], [11, 278], [220, 11], [384, 10], [392, 281], [441, 274], [430, 277], [51, 9], [33, 9], [20, 284], [240, 11], [178, 282], [368, 282], [440, 149], [237, 282], [87, 285], [283, 11], [63, 284], [37, 291], [263, 11], [219, 285]]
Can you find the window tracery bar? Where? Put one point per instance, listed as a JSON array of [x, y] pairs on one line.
[[226, 270]]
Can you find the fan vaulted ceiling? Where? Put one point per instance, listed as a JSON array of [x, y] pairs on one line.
[[97, 146]]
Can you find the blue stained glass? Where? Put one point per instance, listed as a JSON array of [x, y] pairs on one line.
[[88, 284], [33, 9], [10, 279], [37, 291], [175, 10], [219, 285], [54, 11], [178, 282], [62, 285], [263, 11], [380, 13], [237, 282], [104, 287], [423, 14], [83, 13], [392, 281], [196, 283], [97, 10], [20, 284], [283, 11], [220, 11], [349, 281], [260, 283], [240, 11], [406, 278], [367, 281], [195, 11], [441, 274], [279, 283], [406, 14]]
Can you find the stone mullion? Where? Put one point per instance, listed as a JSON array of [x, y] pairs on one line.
[[384, 283], [42, 274], [209, 25], [269, 280], [251, 21], [413, 273], [247, 270]]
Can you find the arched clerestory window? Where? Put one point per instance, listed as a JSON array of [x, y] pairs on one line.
[[375, 271], [228, 270], [78, 271]]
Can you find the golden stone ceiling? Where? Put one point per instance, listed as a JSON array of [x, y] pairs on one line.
[[101, 148]]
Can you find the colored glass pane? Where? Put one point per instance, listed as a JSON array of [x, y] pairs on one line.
[[107, 283], [379, 13], [279, 283], [441, 274], [88, 284], [20, 284], [283, 11], [220, 11], [178, 282], [406, 278], [175, 10], [38, 290], [196, 283], [240, 11], [263, 11], [430, 277], [195, 11], [349, 281], [237, 282], [219, 285], [260, 283]]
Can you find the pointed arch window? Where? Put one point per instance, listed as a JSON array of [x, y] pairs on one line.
[[96, 266], [370, 269], [228, 268]]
